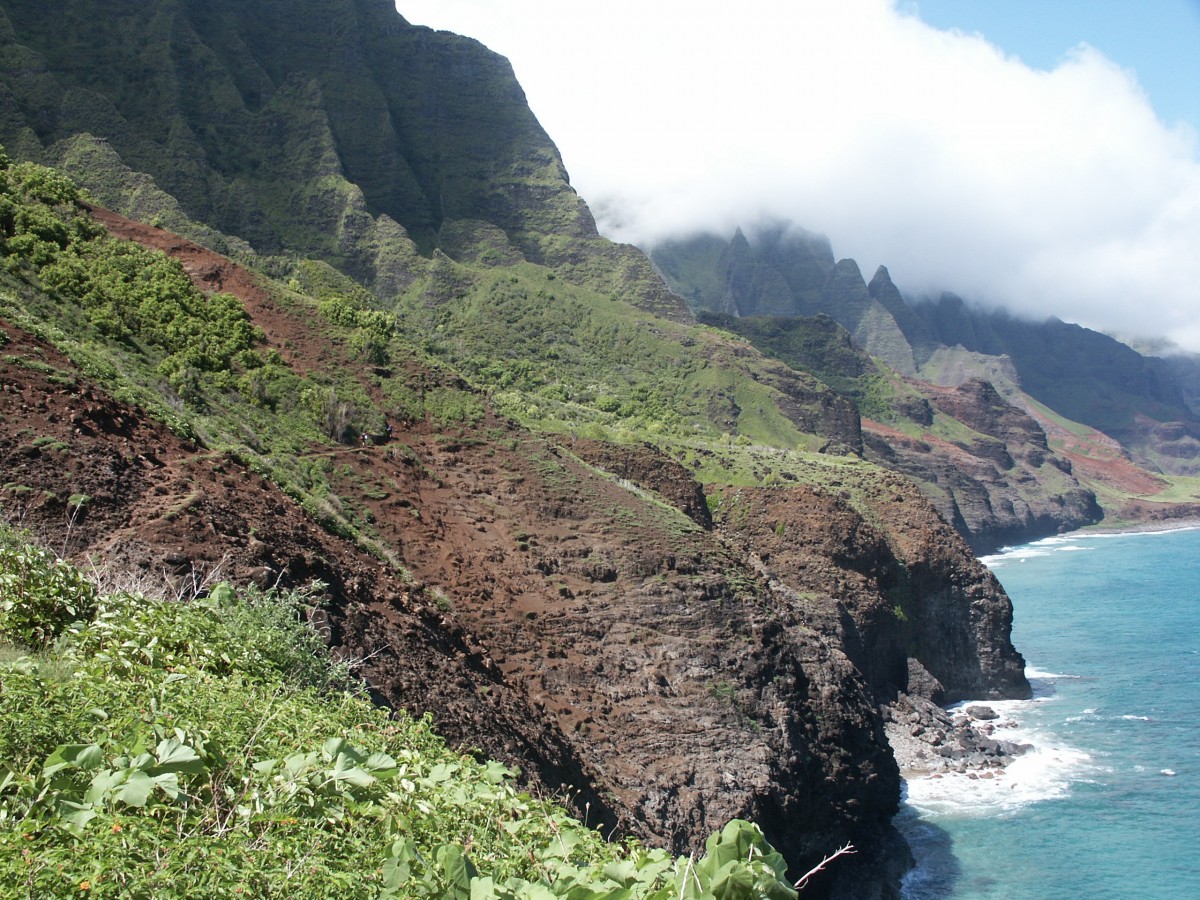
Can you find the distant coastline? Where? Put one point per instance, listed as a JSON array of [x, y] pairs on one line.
[[1155, 526]]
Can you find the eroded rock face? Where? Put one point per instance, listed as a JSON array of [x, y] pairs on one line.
[[555, 618], [880, 573], [568, 609], [648, 468], [999, 484]]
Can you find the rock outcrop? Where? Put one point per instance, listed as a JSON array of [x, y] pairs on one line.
[[870, 565], [994, 476]]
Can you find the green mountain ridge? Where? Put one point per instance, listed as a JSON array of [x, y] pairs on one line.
[[396, 190], [516, 587], [279, 129]]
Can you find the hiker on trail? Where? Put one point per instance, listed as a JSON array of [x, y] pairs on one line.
[[364, 439], [387, 428]]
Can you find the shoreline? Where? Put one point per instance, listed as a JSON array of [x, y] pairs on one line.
[[1153, 526], [928, 740]]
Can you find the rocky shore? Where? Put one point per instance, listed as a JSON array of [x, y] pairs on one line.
[[929, 740]]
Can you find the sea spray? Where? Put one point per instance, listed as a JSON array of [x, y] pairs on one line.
[[1105, 802]]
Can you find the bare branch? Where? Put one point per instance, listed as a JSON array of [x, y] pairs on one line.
[[845, 851]]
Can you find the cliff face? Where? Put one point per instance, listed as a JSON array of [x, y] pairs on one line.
[[566, 607], [206, 85], [992, 473], [783, 272], [985, 464], [866, 563]]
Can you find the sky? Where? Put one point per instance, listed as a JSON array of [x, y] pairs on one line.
[[1037, 155]]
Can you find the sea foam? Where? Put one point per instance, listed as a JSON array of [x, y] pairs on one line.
[[1044, 547], [1045, 771]]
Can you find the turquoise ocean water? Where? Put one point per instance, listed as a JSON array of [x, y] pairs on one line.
[[1107, 804]]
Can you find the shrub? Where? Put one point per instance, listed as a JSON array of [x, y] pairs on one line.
[[40, 595]]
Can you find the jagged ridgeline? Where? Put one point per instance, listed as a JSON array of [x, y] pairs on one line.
[[407, 383], [1015, 429]]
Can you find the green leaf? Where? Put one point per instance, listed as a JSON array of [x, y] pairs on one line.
[[299, 762], [168, 783], [397, 867], [76, 815], [734, 881], [103, 784], [222, 594], [458, 871], [73, 756], [345, 770], [441, 772], [483, 889], [175, 756], [137, 789], [335, 747], [497, 773], [623, 872], [381, 765]]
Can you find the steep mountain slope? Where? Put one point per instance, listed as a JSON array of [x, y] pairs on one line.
[[410, 163], [410, 389], [561, 604], [334, 130]]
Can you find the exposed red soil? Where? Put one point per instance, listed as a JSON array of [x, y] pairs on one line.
[[210, 271], [1101, 460], [551, 615]]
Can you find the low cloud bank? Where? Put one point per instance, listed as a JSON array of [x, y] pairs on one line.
[[1047, 192]]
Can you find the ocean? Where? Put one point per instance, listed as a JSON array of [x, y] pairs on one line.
[[1107, 803]]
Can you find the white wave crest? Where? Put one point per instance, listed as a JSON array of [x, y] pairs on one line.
[[1045, 771]]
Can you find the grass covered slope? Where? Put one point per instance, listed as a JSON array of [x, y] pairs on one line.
[[159, 748]]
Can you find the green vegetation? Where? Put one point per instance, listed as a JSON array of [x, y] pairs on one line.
[[559, 357], [822, 348], [548, 353], [133, 322], [157, 748], [40, 595], [119, 303]]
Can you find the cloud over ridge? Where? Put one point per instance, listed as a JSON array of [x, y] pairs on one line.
[[960, 168]]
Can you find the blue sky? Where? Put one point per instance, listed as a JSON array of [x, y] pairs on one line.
[[1037, 155], [1158, 39]]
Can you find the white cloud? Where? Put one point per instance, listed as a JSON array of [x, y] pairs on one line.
[[1050, 192]]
